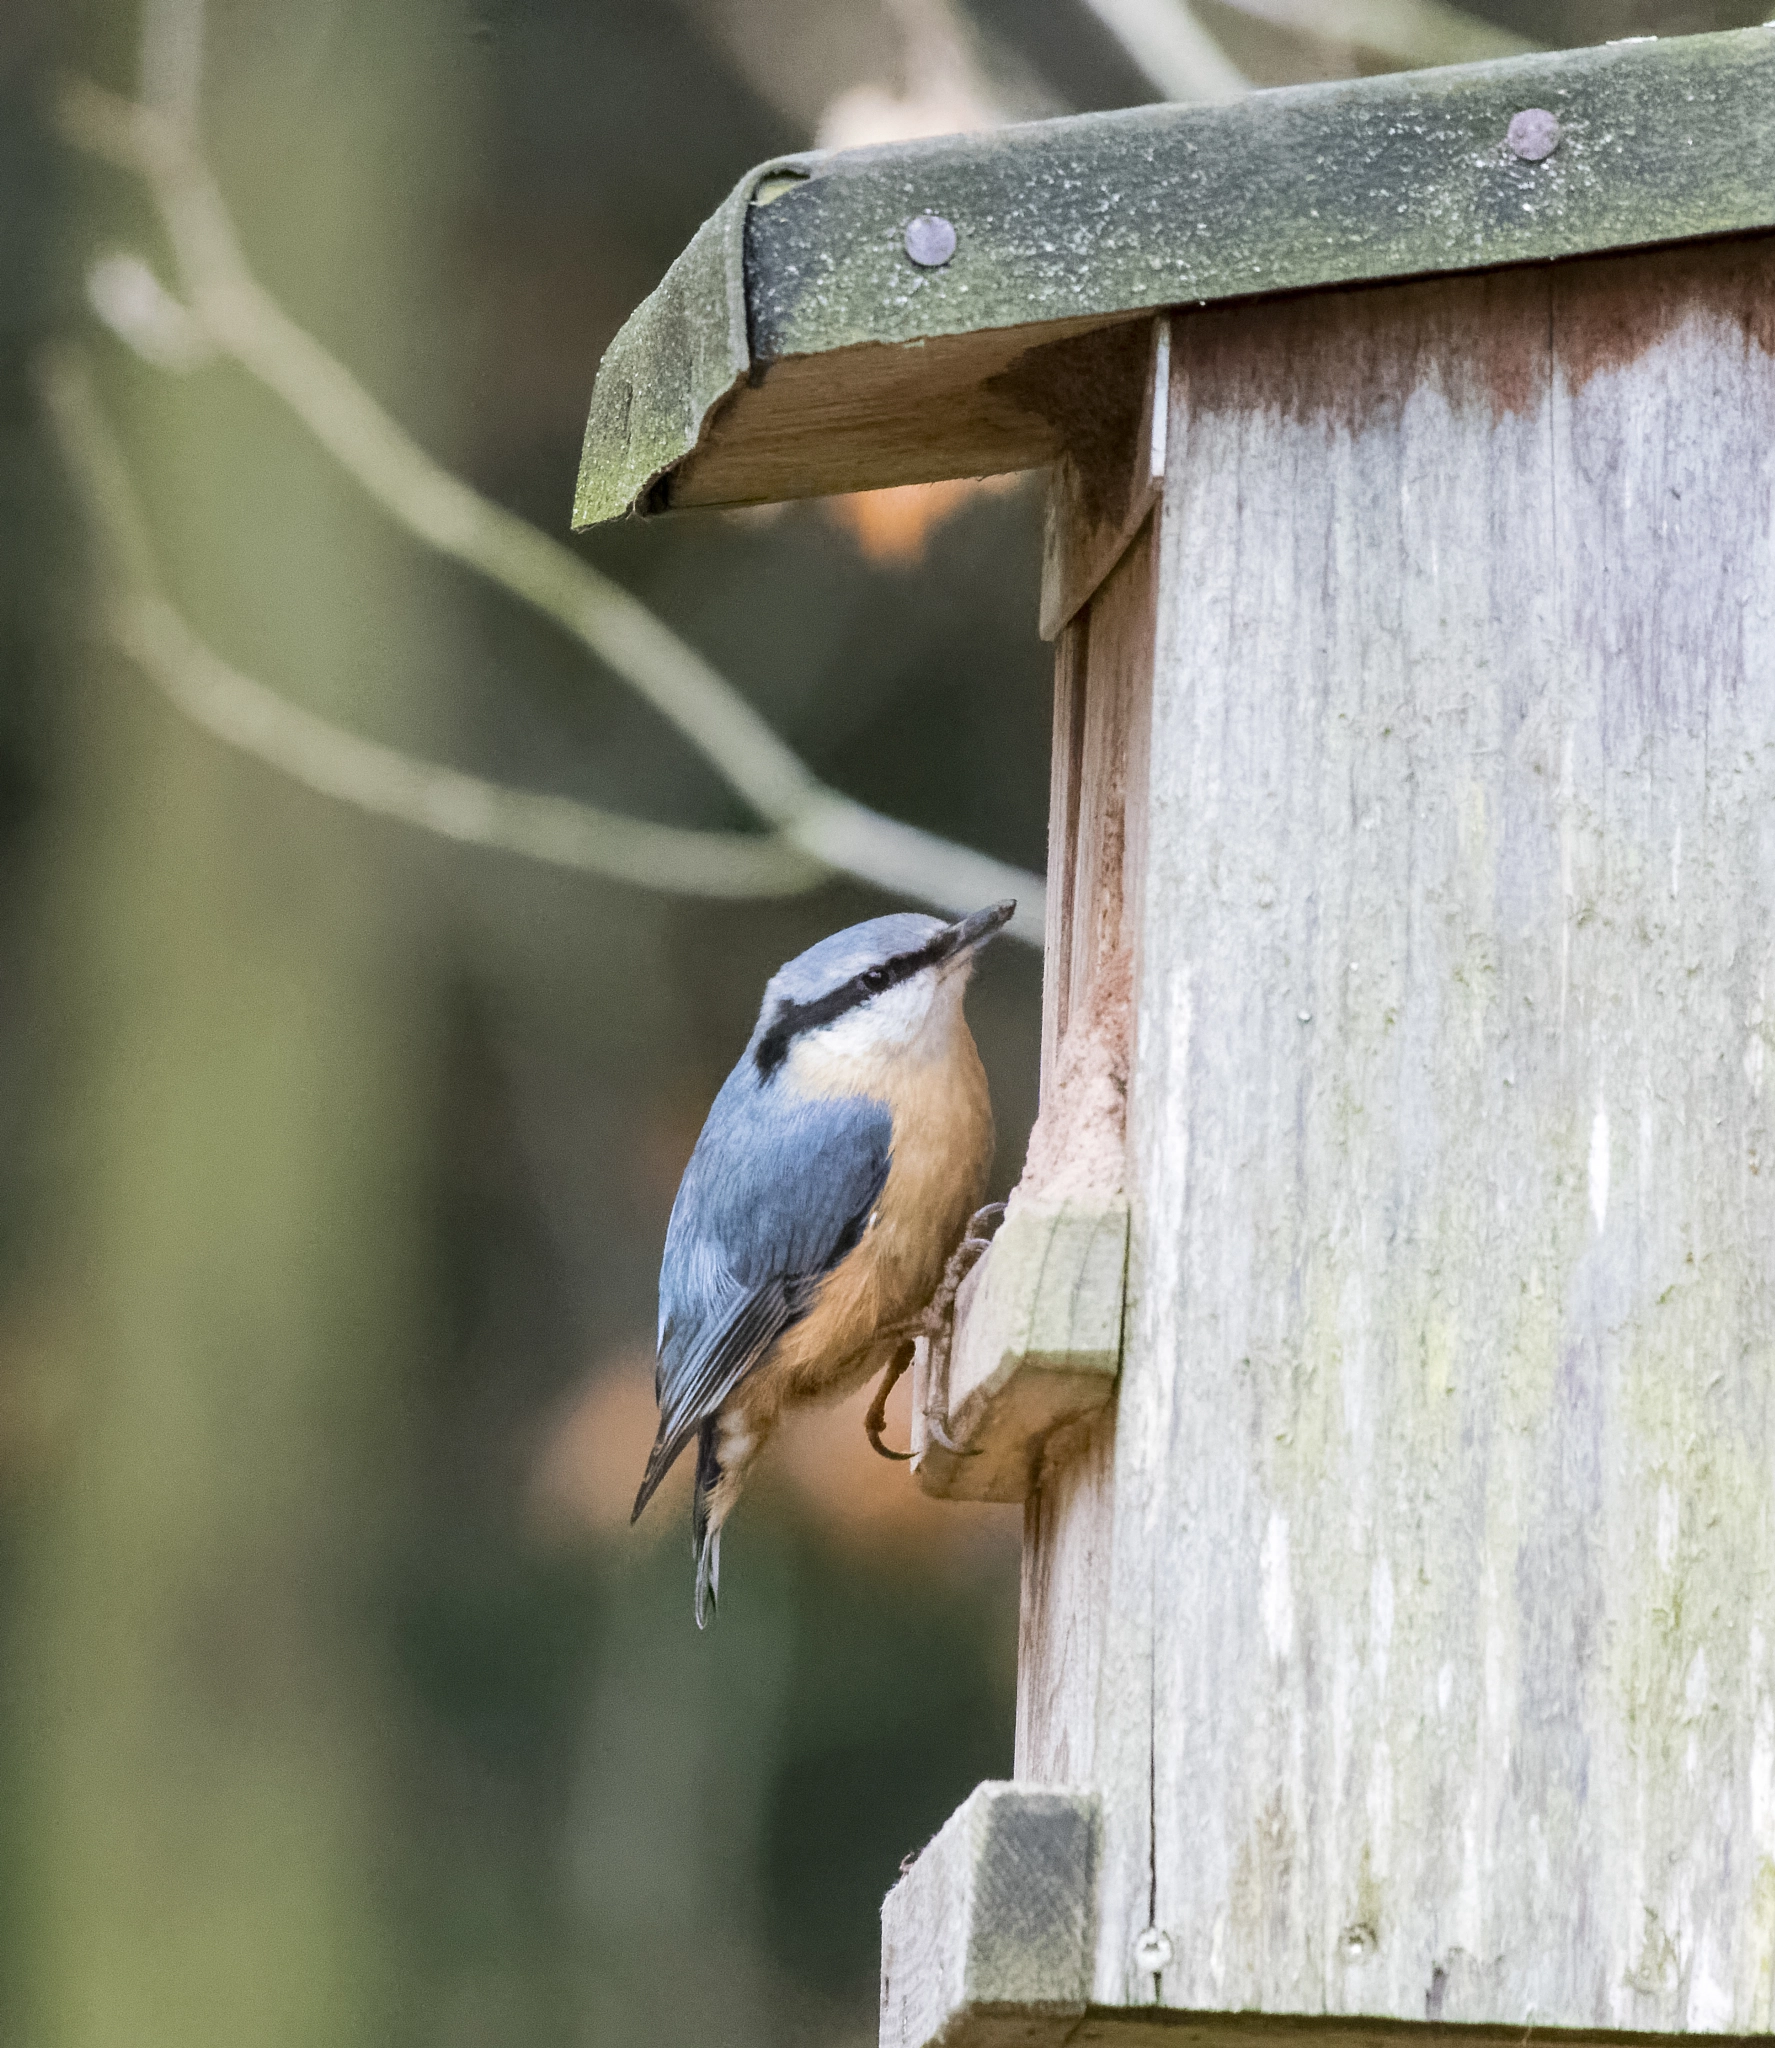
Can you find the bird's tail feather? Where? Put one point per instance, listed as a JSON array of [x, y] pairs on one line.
[[705, 1531], [660, 1461]]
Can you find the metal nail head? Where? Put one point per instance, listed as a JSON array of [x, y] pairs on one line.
[[1152, 1951], [1533, 134], [930, 240]]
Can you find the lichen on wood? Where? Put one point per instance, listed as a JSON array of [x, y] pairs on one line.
[[902, 374]]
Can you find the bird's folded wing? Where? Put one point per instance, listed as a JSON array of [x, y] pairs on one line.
[[779, 1189], [706, 1376], [734, 1347]]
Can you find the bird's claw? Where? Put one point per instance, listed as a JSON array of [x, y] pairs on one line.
[[936, 1324], [876, 1420], [938, 1432], [938, 1320]]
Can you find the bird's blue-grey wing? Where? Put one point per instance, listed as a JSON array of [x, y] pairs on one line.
[[777, 1191]]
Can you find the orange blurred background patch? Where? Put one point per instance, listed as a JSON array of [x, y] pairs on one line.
[[893, 527], [590, 1460]]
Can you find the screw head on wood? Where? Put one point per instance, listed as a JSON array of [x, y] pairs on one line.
[[930, 240], [1152, 1951], [1532, 134]]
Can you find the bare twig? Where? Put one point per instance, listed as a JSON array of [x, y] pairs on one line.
[[229, 307], [170, 63], [1172, 48], [133, 303], [1408, 32], [243, 713]]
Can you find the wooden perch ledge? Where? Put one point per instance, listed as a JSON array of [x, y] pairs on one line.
[[1038, 1344]]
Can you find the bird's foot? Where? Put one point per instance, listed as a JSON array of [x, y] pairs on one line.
[[935, 1323], [876, 1420], [939, 1322], [938, 1432]]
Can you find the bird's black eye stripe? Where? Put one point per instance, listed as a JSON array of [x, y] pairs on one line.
[[794, 1018]]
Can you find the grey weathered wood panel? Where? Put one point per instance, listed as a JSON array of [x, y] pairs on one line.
[[986, 1940], [1443, 1515], [1084, 1686]]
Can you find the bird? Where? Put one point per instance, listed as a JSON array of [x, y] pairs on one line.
[[834, 1177]]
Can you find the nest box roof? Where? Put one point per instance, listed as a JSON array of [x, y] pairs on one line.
[[798, 346]]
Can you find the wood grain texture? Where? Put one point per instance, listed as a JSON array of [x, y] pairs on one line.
[[1083, 1683], [1109, 827], [1070, 653], [879, 414], [1037, 1346], [1064, 1609], [1108, 475], [986, 1938], [1448, 1412]]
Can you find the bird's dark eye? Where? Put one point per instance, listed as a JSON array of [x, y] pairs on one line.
[[875, 979]]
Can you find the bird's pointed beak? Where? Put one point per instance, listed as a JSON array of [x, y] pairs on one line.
[[970, 933]]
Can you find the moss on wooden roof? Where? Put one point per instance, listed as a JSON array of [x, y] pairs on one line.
[[1064, 225]]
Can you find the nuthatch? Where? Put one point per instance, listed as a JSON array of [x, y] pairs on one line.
[[835, 1175]]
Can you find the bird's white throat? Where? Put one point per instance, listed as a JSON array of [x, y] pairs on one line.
[[918, 1021]]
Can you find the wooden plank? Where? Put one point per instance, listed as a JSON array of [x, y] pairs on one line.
[[1080, 1671], [1037, 1346], [1108, 473], [1063, 1607], [1453, 1311], [796, 348], [986, 1938], [1063, 837], [1038, 1325], [1077, 1143], [896, 413]]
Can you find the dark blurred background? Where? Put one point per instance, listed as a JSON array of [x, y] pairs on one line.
[[338, 1702]]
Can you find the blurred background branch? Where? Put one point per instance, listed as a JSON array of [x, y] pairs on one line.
[[1402, 32], [1167, 41], [169, 68], [1172, 47], [229, 310], [243, 713]]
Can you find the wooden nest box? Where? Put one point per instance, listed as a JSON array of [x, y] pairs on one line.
[[1384, 1336]]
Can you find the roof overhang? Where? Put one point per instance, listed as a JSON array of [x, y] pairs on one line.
[[794, 349]]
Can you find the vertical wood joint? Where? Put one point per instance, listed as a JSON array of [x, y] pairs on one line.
[[1101, 489]]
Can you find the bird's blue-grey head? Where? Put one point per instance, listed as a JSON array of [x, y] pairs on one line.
[[871, 986]]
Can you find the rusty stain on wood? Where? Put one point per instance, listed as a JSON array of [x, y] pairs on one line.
[[1603, 315]]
